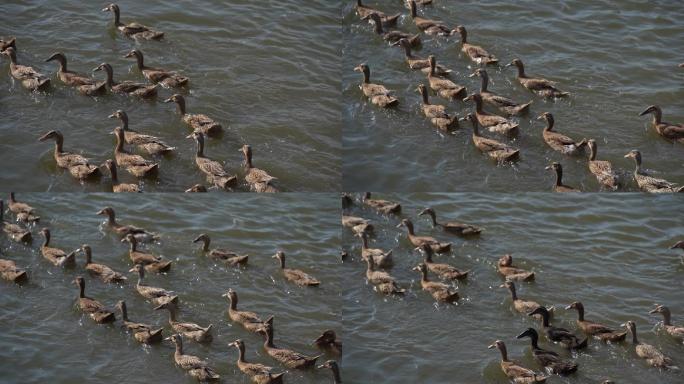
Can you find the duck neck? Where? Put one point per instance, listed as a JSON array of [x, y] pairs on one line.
[[62, 63], [580, 313], [172, 317], [559, 177], [484, 81], [205, 241], [433, 65], [88, 256], [592, 152], [248, 159], [521, 69], [59, 143], [476, 128], [117, 16], [504, 352], [667, 318], [11, 198], [478, 105], [179, 348], [464, 36], [81, 290], [366, 76], [428, 255], [635, 341], [364, 242], [46, 240], [124, 312], [181, 106], [412, 7], [109, 73], [549, 123], [200, 147], [124, 122], [141, 276], [12, 57], [133, 246], [409, 228], [637, 161], [545, 319], [424, 275], [424, 95], [534, 339], [268, 342], [241, 354], [119, 141], [514, 294], [407, 50], [282, 262], [114, 174], [233, 302], [657, 116], [378, 27], [140, 60], [433, 217], [337, 379]]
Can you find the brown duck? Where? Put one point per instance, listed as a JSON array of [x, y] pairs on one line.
[[329, 343], [415, 62], [444, 271], [13, 231], [249, 320], [649, 183], [214, 171], [513, 370], [494, 149], [378, 94], [295, 275], [260, 374], [132, 30], [602, 169], [151, 262], [358, 225], [506, 269], [196, 121], [334, 368], [155, 295], [559, 141], [504, 104], [11, 42], [84, 84], [195, 366], [117, 186], [92, 307], [226, 255], [520, 305], [542, 87], [168, 79], [383, 281], [10, 272], [150, 144], [144, 91], [102, 271], [429, 27], [439, 291], [559, 186], [476, 53], [418, 241], [24, 212], [383, 206], [597, 330], [142, 332], [672, 330], [140, 234], [457, 228], [55, 255], [442, 86], [258, 179], [437, 113], [381, 258], [288, 358], [77, 165], [190, 330], [651, 354], [364, 11], [136, 165], [29, 77], [391, 36], [670, 131], [494, 123]]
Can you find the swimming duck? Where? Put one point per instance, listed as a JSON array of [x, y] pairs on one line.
[[22, 211], [14, 231], [212, 169], [444, 87], [415, 62], [328, 342], [168, 79], [429, 27], [560, 335], [258, 179], [504, 104], [651, 354], [439, 291], [196, 189], [474, 52], [151, 262], [155, 295], [29, 77], [358, 225], [542, 87], [444, 271], [418, 241], [10, 272], [196, 121], [132, 30], [520, 305], [84, 84], [513, 370], [673, 330], [457, 228], [383, 281], [597, 330], [141, 235], [144, 91], [228, 256], [195, 366], [190, 330], [648, 183], [506, 268], [295, 275], [492, 148], [142, 332], [151, 144], [77, 165], [55, 255], [548, 359], [378, 94], [334, 368], [667, 130], [602, 169], [391, 36], [102, 271], [260, 374], [364, 11], [136, 165], [559, 186], [559, 141], [494, 123], [437, 113], [249, 320], [288, 358], [381, 258], [383, 206], [116, 185], [92, 307], [11, 42]]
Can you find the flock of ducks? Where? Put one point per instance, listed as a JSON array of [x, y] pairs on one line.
[[440, 84], [128, 139], [441, 289], [162, 299]]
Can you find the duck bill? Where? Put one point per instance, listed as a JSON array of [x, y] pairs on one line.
[[112, 116], [44, 137], [646, 111], [491, 346], [652, 311]]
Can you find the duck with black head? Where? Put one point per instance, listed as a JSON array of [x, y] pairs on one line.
[[548, 359], [556, 334], [328, 342]]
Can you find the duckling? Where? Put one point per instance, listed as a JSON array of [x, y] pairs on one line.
[[196, 189], [55, 255], [506, 269], [437, 113], [513, 370], [168, 79], [136, 165], [29, 77], [13, 231], [561, 335], [92, 307], [674, 331], [457, 228], [4, 44], [332, 365], [261, 374], [670, 131], [439, 291], [10, 272], [132, 30], [195, 366], [444, 271], [429, 27], [494, 123], [474, 52], [494, 149], [383, 206], [548, 359], [358, 225], [391, 36], [211, 168], [196, 121], [602, 169], [648, 183], [24, 212], [415, 62], [190, 330], [230, 257], [151, 262], [418, 241], [77, 165], [651, 354], [116, 185], [364, 11], [295, 275], [383, 281], [151, 144], [381, 258], [597, 330], [558, 141], [141, 235], [444, 87], [378, 94], [329, 343], [142, 332], [155, 295], [504, 104], [540, 86], [249, 320], [84, 84], [258, 179], [288, 358], [520, 305], [102, 271], [559, 186], [144, 91]]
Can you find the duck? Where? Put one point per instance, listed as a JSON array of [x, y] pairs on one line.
[[24, 212], [381, 258], [197, 188], [10, 272], [249, 320], [136, 165], [288, 358], [92, 307], [672, 330], [651, 354], [476, 53], [494, 149], [295, 275], [131, 88], [55, 255], [364, 11], [347, 200], [648, 183], [213, 170], [540, 86], [679, 244], [559, 186], [548, 359], [196, 121], [29, 77], [155, 295], [14, 231], [258, 179], [418, 241], [358, 225], [84, 84], [444, 271], [560, 335], [150, 144], [141, 235], [11, 42], [520, 305], [260, 373], [494, 123], [117, 186], [382, 206], [142, 332], [558, 141], [334, 368], [151, 262], [439, 291], [443, 87], [457, 228], [391, 36], [228, 256], [195, 366], [378, 94], [427, 26], [506, 269], [192, 331], [437, 113], [602, 169], [102, 271], [132, 30], [77, 165], [597, 330], [329, 343], [415, 62], [513, 370], [383, 281], [670, 131], [168, 79], [504, 104]]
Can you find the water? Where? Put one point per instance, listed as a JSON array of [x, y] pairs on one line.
[[615, 59], [267, 71], [612, 254], [65, 346]]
